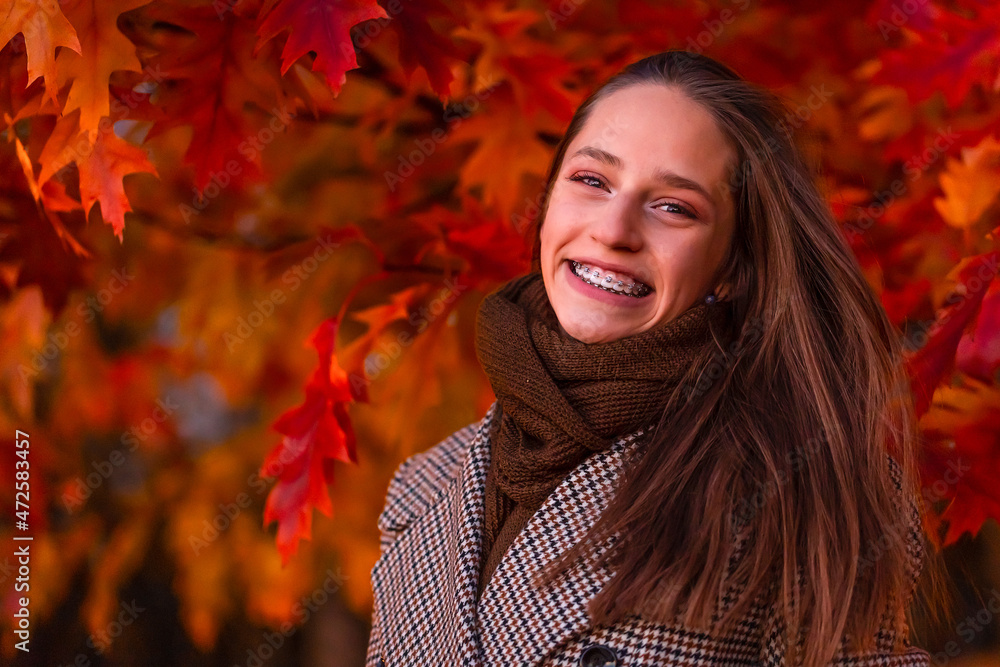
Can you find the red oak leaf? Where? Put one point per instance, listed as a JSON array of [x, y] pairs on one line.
[[476, 244], [420, 30], [978, 352], [960, 459], [320, 26], [199, 64], [951, 55], [888, 17], [929, 364], [34, 251], [316, 434]]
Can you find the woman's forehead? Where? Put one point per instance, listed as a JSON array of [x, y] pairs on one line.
[[653, 129]]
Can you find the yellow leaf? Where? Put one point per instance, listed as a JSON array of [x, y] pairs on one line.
[[23, 325], [44, 28], [885, 113], [104, 50], [971, 184]]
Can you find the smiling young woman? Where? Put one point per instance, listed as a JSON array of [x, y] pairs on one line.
[[642, 198], [702, 450]]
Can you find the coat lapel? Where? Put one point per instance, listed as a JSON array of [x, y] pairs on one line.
[[426, 582], [515, 616]]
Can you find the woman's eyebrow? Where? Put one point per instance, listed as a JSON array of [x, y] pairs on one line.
[[665, 176]]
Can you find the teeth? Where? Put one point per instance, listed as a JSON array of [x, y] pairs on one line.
[[609, 281]]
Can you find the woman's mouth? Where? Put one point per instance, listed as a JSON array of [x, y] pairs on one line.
[[608, 281]]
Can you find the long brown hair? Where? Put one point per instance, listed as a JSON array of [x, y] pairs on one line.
[[789, 423]]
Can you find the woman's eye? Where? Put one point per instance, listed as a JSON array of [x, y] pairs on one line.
[[587, 179], [677, 208], [597, 182]]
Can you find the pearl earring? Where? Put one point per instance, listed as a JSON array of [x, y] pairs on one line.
[[710, 299]]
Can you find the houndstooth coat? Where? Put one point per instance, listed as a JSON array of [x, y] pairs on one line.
[[425, 580]]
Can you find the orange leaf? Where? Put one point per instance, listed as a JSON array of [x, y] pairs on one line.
[[54, 195], [379, 317], [101, 177], [971, 185], [512, 142], [44, 28], [102, 168], [104, 50], [28, 168], [534, 70]]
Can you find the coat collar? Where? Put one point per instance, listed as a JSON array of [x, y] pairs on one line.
[[547, 617], [425, 584]]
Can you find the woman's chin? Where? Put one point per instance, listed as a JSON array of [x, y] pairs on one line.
[[591, 332]]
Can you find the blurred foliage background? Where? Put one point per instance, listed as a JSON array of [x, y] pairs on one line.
[[242, 244]]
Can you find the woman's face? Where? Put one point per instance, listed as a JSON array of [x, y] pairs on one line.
[[642, 198]]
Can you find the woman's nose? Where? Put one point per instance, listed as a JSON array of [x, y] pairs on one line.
[[617, 226]]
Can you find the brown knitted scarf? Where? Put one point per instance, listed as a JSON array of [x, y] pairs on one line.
[[561, 400]]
